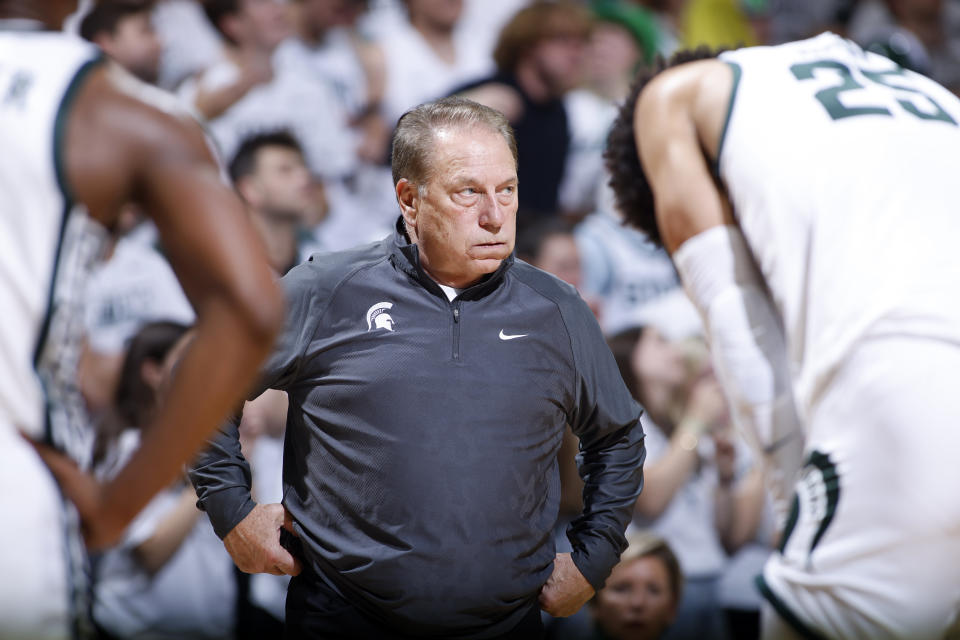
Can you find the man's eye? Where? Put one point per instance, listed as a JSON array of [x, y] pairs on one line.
[[469, 191], [508, 190]]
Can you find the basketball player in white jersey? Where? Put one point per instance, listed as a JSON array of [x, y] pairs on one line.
[[71, 134], [807, 194]]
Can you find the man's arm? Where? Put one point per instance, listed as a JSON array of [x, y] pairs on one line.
[[606, 419], [221, 474], [118, 149], [679, 116]]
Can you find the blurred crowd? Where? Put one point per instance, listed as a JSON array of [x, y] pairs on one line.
[[299, 98]]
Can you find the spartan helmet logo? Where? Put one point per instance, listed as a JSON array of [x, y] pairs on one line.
[[378, 318]]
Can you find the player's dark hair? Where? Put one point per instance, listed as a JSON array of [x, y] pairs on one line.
[[135, 399], [244, 161], [105, 15], [634, 197]]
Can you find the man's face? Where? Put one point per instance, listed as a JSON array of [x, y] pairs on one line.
[[322, 15], [442, 14], [560, 59], [135, 46], [262, 23], [464, 222], [559, 255], [636, 603], [281, 184]]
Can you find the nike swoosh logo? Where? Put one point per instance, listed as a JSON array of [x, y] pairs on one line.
[[507, 336]]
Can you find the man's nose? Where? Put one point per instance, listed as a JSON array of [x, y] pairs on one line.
[[492, 214]]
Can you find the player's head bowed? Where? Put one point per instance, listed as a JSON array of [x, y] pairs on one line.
[[634, 197]]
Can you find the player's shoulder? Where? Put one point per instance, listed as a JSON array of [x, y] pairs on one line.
[[683, 84], [134, 115]]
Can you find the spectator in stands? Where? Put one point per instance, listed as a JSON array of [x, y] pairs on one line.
[[246, 93], [272, 178], [642, 594], [122, 28], [190, 43], [169, 577], [633, 280], [329, 47], [692, 497], [539, 58], [669, 17], [623, 37], [922, 35], [549, 245], [425, 58]]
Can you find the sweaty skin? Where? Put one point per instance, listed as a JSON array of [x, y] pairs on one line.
[[679, 117]]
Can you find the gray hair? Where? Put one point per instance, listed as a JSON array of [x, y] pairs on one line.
[[415, 136]]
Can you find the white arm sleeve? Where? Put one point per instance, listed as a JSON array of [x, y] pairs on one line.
[[748, 349]]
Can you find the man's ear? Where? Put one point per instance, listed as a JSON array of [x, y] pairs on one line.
[[409, 201], [248, 191]]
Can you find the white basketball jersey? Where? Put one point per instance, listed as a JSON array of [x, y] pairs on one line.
[[39, 72], [844, 174]]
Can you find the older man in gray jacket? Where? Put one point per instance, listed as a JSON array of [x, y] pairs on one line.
[[430, 378]]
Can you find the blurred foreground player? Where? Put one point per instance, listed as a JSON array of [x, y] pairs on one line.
[[74, 134], [807, 194]]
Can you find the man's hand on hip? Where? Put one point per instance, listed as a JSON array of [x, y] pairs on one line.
[[254, 544], [566, 590]]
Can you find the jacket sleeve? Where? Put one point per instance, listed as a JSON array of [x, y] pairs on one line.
[[606, 419], [220, 473]]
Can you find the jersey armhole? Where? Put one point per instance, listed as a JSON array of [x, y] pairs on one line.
[[60, 123], [737, 72]]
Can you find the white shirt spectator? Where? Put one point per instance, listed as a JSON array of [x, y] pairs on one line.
[[292, 100], [415, 73], [134, 287], [335, 62], [190, 43], [688, 521], [191, 597], [634, 280]]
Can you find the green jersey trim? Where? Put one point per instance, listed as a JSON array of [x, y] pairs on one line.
[[60, 123], [785, 612], [737, 73]]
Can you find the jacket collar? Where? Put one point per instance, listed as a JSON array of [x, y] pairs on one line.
[[405, 256]]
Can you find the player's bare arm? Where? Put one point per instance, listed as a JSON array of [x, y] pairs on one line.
[[679, 124], [119, 149], [679, 116]]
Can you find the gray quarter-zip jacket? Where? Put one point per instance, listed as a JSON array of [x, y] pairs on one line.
[[422, 436]]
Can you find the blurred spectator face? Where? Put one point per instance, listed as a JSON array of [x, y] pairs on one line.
[[558, 255], [657, 361], [560, 57], [637, 602], [321, 15], [439, 14], [281, 183], [134, 45], [464, 218], [260, 23], [612, 52]]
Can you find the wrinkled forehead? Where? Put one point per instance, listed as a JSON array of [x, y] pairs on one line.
[[454, 146]]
